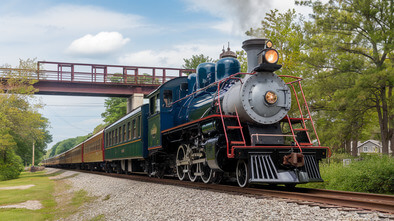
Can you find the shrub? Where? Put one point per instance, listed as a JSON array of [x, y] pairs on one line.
[[10, 166], [373, 174]]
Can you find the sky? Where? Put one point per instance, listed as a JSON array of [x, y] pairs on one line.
[[120, 32]]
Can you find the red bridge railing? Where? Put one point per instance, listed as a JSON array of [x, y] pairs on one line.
[[107, 74], [100, 74]]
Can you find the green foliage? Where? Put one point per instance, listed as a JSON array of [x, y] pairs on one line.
[[285, 30], [373, 174], [99, 127], [21, 124], [195, 60], [115, 108], [10, 165], [345, 55], [65, 145], [241, 56], [350, 46]]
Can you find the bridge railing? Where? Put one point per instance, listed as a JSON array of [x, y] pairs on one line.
[[111, 74], [101, 74]]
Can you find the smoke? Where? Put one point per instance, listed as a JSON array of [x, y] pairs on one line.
[[237, 15]]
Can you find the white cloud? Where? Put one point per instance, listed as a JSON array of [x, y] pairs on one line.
[[102, 43], [169, 58], [47, 33], [66, 20]]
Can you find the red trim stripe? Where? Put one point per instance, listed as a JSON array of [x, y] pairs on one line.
[[153, 148]]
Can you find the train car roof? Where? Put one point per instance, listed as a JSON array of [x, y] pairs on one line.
[[95, 135], [165, 84], [133, 112], [74, 147]]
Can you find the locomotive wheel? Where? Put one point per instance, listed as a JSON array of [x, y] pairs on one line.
[[206, 173], [217, 177], [242, 173], [180, 157], [192, 170]]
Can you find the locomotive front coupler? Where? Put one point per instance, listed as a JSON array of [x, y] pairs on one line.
[[294, 159]]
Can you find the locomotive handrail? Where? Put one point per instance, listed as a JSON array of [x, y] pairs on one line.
[[211, 85], [229, 155], [298, 80]]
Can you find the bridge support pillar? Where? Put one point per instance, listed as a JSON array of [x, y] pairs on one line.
[[134, 101]]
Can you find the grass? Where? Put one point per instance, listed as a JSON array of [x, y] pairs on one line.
[[107, 197], [56, 200], [98, 218]]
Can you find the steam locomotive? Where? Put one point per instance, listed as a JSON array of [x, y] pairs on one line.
[[214, 124]]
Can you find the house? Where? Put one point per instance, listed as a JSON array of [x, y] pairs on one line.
[[369, 146]]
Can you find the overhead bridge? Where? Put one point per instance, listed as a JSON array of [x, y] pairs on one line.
[[79, 79], [101, 80]]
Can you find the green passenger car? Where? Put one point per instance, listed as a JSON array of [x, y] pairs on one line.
[[125, 139]]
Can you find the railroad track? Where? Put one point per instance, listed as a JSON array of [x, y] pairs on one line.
[[323, 198]]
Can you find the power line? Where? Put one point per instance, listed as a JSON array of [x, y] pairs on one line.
[[72, 105], [61, 118]]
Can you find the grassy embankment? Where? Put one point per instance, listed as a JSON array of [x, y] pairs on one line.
[[56, 201]]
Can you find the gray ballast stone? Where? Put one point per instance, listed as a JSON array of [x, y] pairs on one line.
[[120, 199]]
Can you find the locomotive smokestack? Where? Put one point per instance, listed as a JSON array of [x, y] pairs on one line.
[[253, 47]]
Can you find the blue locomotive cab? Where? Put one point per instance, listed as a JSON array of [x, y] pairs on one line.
[[163, 110]]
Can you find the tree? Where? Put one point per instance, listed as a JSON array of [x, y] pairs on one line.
[[285, 30], [359, 39], [99, 127], [20, 123], [115, 108], [65, 145], [195, 60], [241, 56]]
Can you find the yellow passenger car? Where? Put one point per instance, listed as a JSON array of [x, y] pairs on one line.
[[93, 149]]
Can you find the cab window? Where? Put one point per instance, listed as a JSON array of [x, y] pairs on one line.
[[167, 97], [154, 104]]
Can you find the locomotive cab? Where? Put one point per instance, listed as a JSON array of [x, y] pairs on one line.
[[162, 107]]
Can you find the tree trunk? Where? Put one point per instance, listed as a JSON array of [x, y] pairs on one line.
[[347, 146], [354, 147], [392, 143], [383, 120], [391, 123]]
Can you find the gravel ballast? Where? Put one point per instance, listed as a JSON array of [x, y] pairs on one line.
[[121, 199]]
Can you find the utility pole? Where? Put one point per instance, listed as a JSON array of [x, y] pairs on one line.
[[32, 169]]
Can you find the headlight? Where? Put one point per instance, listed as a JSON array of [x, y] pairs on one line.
[[271, 97], [268, 44], [271, 56]]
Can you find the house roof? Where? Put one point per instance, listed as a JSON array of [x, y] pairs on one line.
[[375, 142]]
